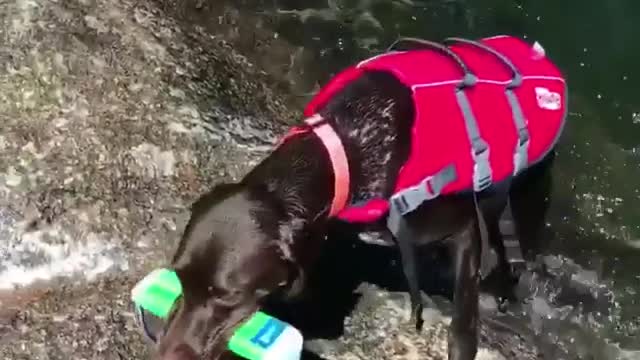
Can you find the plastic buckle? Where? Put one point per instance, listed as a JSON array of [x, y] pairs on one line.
[[520, 157], [468, 80], [482, 176], [523, 136], [411, 198], [407, 201], [515, 82]]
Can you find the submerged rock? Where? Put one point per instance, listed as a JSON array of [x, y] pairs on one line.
[[113, 121], [380, 328], [114, 118]]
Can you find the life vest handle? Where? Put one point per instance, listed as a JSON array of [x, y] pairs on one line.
[[409, 43], [516, 79], [520, 156]]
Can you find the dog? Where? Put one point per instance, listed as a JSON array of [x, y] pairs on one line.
[[357, 158]]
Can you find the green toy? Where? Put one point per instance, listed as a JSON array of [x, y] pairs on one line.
[[262, 337], [157, 292]]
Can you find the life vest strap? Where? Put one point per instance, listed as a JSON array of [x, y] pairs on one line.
[[409, 199], [520, 157], [510, 241], [482, 174]]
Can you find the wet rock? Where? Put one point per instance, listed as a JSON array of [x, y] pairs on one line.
[[552, 262], [152, 161], [585, 280], [113, 121], [540, 311], [488, 303], [379, 328]]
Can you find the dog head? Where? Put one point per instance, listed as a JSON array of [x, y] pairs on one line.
[[230, 258]]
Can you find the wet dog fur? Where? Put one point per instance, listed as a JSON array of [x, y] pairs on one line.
[[256, 239]]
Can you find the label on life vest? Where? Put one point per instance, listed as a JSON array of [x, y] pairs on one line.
[[547, 99]]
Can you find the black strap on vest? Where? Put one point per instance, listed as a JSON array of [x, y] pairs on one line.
[[510, 241]]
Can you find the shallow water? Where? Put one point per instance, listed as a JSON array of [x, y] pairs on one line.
[[584, 298]]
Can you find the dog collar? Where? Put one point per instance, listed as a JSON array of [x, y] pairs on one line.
[[331, 141], [261, 337]]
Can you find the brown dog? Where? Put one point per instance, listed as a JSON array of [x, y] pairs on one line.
[[258, 238]]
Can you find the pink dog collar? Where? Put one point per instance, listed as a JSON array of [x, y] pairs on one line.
[[338, 157]]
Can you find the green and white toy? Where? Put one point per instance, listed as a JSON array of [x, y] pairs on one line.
[[157, 292], [262, 337]]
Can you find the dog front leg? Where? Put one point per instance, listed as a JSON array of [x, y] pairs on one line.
[[463, 333]]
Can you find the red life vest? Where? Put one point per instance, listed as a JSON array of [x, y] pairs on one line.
[[504, 87]]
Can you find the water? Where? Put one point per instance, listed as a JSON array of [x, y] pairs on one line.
[[586, 298]]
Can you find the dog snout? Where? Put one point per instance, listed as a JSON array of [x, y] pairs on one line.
[[179, 352]]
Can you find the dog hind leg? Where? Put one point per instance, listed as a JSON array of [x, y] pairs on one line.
[[530, 200], [465, 250]]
